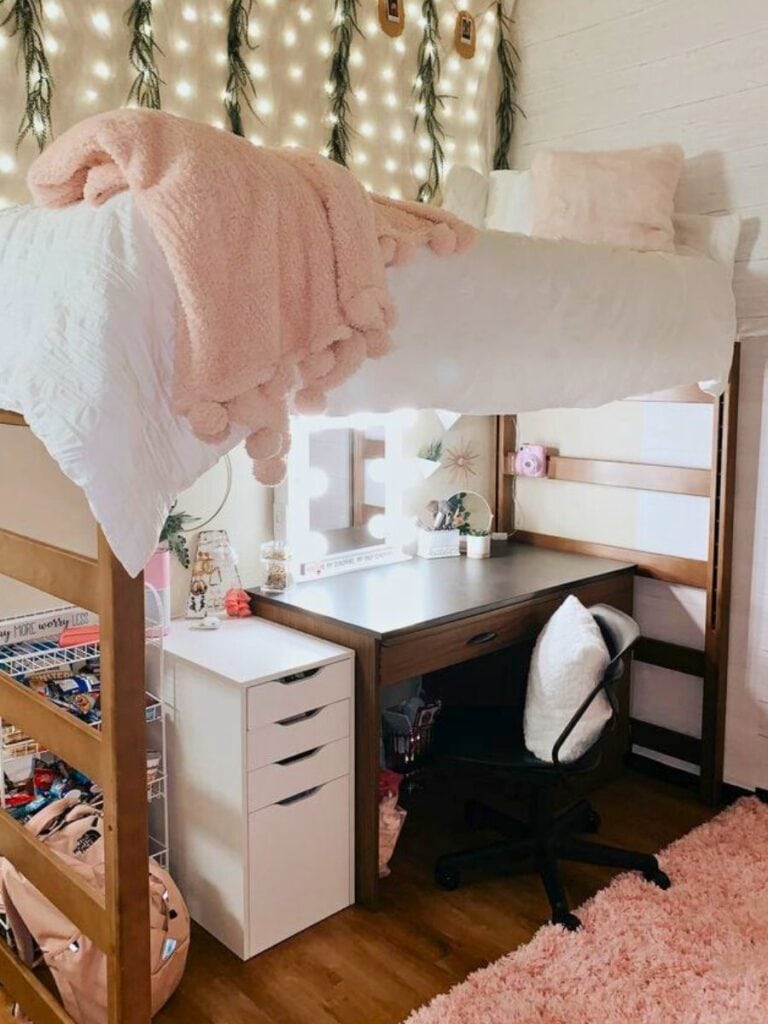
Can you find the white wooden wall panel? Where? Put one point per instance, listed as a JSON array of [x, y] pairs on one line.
[[666, 698], [668, 611]]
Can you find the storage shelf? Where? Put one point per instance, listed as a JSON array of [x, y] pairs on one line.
[[43, 656], [156, 788], [158, 852], [25, 660]]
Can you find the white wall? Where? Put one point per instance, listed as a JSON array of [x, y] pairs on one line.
[[610, 73], [38, 500], [623, 73]]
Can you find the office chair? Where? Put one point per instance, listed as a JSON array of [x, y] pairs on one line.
[[493, 738]]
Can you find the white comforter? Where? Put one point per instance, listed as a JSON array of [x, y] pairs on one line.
[[87, 312]]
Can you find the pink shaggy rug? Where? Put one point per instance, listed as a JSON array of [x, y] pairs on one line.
[[696, 954]]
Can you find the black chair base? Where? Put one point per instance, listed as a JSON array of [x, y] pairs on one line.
[[538, 845]]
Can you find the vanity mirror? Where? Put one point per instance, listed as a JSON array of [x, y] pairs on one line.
[[341, 507]]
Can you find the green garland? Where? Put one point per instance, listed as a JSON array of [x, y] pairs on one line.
[[507, 108], [240, 86], [26, 20], [345, 24], [143, 55], [429, 102]]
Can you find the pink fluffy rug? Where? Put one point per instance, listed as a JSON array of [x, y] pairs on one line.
[[696, 954]]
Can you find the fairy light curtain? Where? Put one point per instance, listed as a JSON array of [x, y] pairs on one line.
[[288, 57]]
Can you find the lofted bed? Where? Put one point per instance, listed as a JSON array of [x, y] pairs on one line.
[[509, 324]]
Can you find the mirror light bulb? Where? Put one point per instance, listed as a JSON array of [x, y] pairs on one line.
[[377, 526], [317, 482]]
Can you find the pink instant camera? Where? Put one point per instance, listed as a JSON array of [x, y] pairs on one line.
[[531, 460]]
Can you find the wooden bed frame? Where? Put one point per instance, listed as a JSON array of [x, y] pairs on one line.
[[117, 920], [712, 574]]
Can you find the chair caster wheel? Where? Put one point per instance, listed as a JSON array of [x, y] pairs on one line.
[[658, 877], [447, 878], [592, 822], [569, 921]]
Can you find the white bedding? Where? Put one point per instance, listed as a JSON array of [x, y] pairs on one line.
[[87, 311]]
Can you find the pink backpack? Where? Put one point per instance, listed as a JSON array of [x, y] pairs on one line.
[[74, 831]]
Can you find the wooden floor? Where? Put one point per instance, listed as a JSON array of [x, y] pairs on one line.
[[374, 968]]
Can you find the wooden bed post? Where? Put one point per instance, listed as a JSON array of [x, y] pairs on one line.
[[719, 586], [504, 507], [123, 707]]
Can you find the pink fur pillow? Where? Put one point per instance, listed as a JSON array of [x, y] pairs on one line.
[[623, 198]]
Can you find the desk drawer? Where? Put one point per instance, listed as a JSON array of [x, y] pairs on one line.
[[436, 647], [439, 646], [295, 734], [300, 863], [293, 695], [297, 774]]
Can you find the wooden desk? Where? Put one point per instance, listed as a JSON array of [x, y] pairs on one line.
[[420, 616]]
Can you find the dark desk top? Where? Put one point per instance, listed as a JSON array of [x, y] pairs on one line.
[[389, 600]]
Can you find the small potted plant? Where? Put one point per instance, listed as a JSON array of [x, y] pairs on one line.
[[157, 573], [172, 537], [478, 544]]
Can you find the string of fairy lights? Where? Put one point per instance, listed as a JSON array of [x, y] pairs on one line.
[[247, 102]]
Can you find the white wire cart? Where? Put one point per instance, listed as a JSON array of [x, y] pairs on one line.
[[40, 654]]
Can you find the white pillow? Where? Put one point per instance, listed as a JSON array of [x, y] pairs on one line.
[[510, 207], [568, 662], [466, 194], [714, 235]]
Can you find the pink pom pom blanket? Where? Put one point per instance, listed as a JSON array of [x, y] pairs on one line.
[[278, 257]]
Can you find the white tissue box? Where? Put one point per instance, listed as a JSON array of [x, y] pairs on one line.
[[438, 544]]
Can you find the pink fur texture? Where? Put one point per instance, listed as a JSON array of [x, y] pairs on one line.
[[696, 954], [278, 257]]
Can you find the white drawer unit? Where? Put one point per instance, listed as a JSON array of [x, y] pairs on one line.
[[260, 750]]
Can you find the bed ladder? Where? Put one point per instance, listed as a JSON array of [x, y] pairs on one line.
[[117, 921]]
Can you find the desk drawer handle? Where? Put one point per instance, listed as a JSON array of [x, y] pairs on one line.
[[299, 796], [298, 677], [303, 716], [295, 758], [482, 638]]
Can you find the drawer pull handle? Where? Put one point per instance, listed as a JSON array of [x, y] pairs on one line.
[[298, 677], [482, 638], [295, 758], [305, 795], [302, 717]]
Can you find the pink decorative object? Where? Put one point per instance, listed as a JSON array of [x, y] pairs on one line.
[[157, 575], [391, 821], [531, 460], [278, 258], [623, 198], [237, 604], [695, 954]]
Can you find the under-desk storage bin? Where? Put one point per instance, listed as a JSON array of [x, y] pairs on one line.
[[300, 862], [261, 753]]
